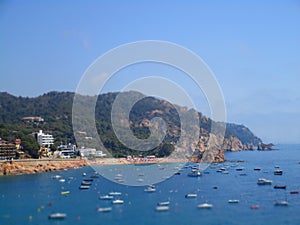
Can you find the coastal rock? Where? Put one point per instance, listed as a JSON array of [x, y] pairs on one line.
[[261, 146], [37, 166]]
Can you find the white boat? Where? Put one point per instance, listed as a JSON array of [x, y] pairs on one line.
[[163, 203], [56, 176], [105, 209], [62, 180], [233, 201], [149, 189], [191, 195], [281, 203], [263, 181], [106, 197], [194, 173], [205, 206], [117, 201], [84, 187], [162, 208], [57, 216], [114, 193]]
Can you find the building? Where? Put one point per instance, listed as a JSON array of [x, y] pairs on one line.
[[91, 152], [33, 119], [44, 140], [7, 150], [67, 151]]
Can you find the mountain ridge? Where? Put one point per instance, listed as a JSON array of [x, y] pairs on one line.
[[56, 110]]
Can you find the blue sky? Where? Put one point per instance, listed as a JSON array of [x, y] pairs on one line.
[[252, 47]]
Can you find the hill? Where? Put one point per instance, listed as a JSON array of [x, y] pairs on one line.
[[56, 110]]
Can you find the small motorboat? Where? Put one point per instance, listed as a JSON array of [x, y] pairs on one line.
[[205, 206], [162, 208], [106, 197], [278, 172], [65, 192], [105, 209], [233, 201], [280, 187], [57, 216], [88, 179], [149, 189], [294, 192], [87, 183], [114, 193], [117, 201], [281, 203], [240, 169], [163, 203], [263, 181], [83, 187], [194, 173], [191, 195], [257, 169], [254, 207]]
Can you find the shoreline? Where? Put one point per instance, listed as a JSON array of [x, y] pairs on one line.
[[32, 166]]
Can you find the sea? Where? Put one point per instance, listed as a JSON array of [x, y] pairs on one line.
[[30, 199]]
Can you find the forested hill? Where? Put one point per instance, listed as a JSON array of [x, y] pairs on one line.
[[56, 110]]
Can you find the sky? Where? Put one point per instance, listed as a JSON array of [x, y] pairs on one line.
[[252, 47]]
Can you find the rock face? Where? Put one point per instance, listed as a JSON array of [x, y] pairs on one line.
[[261, 146], [37, 166]]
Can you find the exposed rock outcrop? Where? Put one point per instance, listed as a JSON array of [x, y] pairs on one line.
[[37, 166]]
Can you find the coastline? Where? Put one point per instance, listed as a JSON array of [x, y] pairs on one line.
[[32, 166]]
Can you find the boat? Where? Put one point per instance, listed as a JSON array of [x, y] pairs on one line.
[[233, 201], [88, 179], [280, 186], [65, 192], [163, 203], [87, 183], [149, 189], [254, 207], [114, 193], [240, 169], [56, 176], [191, 195], [95, 175], [276, 166], [106, 197], [117, 201], [105, 209], [294, 192], [57, 216], [83, 174], [225, 172], [257, 169], [205, 206], [162, 208], [62, 180], [278, 172], [281, 203], [194, 173], [263, 181], [84, 187]]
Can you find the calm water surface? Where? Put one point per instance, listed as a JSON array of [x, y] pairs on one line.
[[29, 199]]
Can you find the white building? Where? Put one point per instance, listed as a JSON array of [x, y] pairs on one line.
[[44, 140]]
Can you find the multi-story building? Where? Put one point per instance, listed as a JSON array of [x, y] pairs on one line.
[[7, 150], [44, 140]]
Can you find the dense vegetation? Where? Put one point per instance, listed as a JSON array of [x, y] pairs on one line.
[[56, 109]]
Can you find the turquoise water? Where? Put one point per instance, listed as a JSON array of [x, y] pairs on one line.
[[29, 199]]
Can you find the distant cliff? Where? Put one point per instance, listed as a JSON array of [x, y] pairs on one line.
[[55, 108]]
